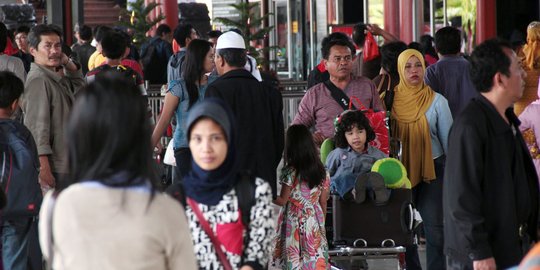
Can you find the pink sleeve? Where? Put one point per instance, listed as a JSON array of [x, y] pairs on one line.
[[525, 118], [305, 114]]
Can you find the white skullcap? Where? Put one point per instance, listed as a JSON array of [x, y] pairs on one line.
[[230, 40]]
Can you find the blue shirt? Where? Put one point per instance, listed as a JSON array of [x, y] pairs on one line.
[[178, 88], [344, 165], [450, 77], [440, 120]]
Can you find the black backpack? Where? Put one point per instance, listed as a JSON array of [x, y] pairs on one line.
[[19, 170], [148, 55], [154, 63], [245, 192]]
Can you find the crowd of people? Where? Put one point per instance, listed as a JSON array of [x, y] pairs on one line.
[[77, 128]]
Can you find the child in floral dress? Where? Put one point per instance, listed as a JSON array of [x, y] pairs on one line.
[[300, 236]]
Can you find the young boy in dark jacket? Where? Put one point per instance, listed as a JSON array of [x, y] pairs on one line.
[[19, 168]]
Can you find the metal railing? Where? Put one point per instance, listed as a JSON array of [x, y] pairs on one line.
[[290, 85], [291, 100], [155, 100], [291, 92]]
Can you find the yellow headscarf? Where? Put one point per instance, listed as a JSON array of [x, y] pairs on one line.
[[530, 49], [410, 124]]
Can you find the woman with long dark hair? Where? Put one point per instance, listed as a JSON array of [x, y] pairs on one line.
[[182, 95], [110, 216]]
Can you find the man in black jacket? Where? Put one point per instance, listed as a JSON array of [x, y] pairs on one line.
[[490, 193], [257, 108], [155, 54]]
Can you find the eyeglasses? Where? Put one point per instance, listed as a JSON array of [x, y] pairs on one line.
[[338, 59]]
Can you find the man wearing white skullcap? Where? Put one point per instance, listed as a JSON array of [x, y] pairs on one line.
[[257, 108]]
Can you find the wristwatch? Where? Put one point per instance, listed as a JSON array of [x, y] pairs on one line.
[[74, 62]]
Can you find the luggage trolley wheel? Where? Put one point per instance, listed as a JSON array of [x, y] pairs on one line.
[[388, 243], [363, 241]]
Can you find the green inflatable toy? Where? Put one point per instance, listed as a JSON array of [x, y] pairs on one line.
[[393, 172], [326, 147]]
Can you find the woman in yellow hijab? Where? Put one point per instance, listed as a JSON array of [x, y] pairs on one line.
[[530, 60], [421, 119]]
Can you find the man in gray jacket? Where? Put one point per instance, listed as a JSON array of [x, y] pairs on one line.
[[50, 86]]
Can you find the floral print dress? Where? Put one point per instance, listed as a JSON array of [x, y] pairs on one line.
[[300, 241]]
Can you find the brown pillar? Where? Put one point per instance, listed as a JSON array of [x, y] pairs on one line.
[[486, 21], [151, 16], [406, 21], [391, 17], [170, 10], [68, 23]]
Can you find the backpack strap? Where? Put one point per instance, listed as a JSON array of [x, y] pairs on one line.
[[380, 88], [339, 96], [6, 168], [245, 191]]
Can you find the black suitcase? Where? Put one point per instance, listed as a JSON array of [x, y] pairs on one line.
[[367, 225]]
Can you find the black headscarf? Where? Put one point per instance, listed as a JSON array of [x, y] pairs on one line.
[[208, 187]]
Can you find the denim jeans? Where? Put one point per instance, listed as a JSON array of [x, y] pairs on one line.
[[428, 200], [15, 242]]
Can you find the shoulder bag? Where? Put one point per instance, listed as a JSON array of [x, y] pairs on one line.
[[206, 227]]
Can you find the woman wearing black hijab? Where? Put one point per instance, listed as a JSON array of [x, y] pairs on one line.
[[212, 204]]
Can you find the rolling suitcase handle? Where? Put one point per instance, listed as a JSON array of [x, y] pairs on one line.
[[407, 217]]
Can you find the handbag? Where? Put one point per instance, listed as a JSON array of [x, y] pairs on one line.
[[377, 120], [169, 154], [386, 94], [213, 238], [371, 49]]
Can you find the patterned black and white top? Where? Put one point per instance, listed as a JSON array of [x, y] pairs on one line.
[[261, 229]]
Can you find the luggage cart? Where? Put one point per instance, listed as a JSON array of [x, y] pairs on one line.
[[366, 231]]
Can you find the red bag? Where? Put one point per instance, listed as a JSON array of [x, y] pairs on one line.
[[371, 49], [377, 120]]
